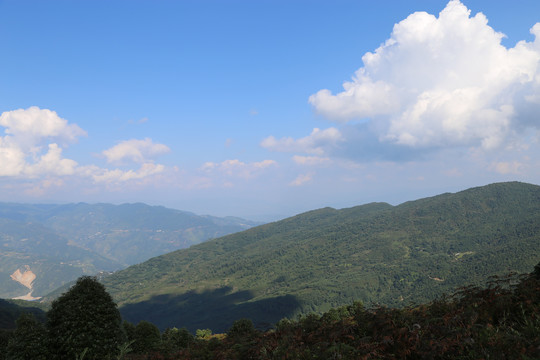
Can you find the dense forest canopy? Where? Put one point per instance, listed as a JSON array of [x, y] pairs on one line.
[[312, 262]]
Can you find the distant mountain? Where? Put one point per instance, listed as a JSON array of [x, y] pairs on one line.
[[132, 233], [376, 253], [35, 260], [46, 246]]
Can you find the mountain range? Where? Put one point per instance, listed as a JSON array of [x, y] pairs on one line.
[[47, 246], [375, 253]]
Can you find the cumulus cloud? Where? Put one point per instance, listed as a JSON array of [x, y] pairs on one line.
[[52, 163], [237, 168], [28, 127], [318, 142], [134, 150], [30, 147], [12, 158], [442, 81]]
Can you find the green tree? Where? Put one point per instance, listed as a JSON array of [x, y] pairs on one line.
[[203, 334], [129, 330], [174, 340], [241, 329], [29, 340], [147, 338], [243, 335], [5, 335], [536, 271], [85, 317]]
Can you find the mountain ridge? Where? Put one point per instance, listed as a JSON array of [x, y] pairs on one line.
[[376, 253]]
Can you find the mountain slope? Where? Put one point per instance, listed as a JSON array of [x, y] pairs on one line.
[[131, 233], [10, 312], [35, 260], [46, 246], [376, 253]]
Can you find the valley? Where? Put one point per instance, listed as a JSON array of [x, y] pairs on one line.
[[55, 244]]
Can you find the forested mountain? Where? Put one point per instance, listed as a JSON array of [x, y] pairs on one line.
[[375, 253], [10, 312], [46, 246], [35, 260]]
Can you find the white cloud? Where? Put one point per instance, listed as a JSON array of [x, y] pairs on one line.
[[138, 122], [42, 187], [441, 82], [31, 149], [28, 132], [318, 142], [30, 127], [52, 163], [139, 151], [302, 179], [12, 158], [237, 168], [311, 160], [100, 175], [504, 168]]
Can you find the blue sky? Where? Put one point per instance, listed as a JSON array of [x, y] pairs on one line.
[[264, 109]]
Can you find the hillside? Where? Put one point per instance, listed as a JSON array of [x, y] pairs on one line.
[[376, 253], [35, 260], [132, 233], [46, 246], [10, 312]]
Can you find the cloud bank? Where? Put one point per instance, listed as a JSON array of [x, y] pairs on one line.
[[30, 145], [33, 142], [441, 82]]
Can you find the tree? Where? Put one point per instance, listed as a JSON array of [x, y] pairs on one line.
[[29, 340], [129, 330], [174, 339], [536, 271], [147, 338], [5, 335], [203, 334], [85, 317], [241, 329]]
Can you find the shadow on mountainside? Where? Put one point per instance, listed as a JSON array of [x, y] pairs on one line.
[[212, 309]]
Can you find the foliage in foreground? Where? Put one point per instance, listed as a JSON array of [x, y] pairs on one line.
[[500, 321], [84, 320], [11, 310]]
